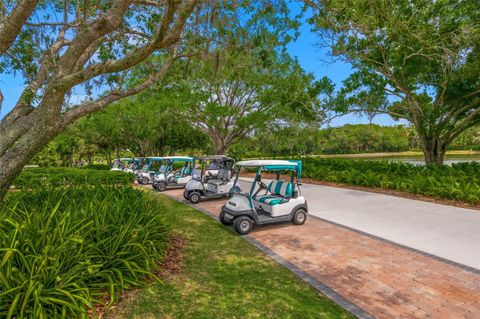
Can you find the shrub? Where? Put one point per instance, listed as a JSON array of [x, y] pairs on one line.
[[457, 182], [101, 167], [62, 251], [54, 177]]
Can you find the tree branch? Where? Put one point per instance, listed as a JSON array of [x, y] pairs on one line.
[[163, 38], [115, 95], [11, 25]]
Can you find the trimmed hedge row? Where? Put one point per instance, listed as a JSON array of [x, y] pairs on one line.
[[54, 177], [459, 181], [101, 167], [62, 251]]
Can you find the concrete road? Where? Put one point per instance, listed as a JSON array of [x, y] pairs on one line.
[[444, 231]]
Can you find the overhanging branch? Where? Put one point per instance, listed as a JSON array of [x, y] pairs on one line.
[[11, 25], [115, 95]]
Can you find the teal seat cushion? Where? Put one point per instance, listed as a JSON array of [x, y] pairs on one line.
[[269, 200], [185, 170], [276, 188], [281, 188]]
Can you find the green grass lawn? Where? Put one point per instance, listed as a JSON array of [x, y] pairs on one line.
[[223, 276]]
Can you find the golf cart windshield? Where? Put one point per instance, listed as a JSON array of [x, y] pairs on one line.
[[116, 163], [156, 165], [137, 164], [197, 173], [213, 165], [208, 167]]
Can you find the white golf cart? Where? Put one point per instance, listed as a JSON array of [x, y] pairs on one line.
[[256, 203], [177, 173], [119, 164], [151, 166], [135, 166], [212, 178]]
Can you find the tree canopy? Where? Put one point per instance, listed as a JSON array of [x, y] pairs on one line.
[[76, 57], [416, 60], [237, 91]]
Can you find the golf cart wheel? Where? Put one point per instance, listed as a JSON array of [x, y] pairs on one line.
[[144, 180], [221, 218], [194, 197], [299, 217], [243, 225], [161, 186]]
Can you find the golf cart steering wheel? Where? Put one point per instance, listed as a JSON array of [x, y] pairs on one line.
[[262, 185]]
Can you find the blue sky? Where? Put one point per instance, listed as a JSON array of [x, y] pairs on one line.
[[311, 57]]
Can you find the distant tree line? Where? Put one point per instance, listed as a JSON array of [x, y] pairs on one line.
[[141, 130]]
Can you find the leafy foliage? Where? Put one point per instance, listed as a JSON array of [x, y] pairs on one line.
[[307, 140], [459, 181], [100, 167], [145, 125], [62, 251], [34, 178], [416, 60], [240, 88]]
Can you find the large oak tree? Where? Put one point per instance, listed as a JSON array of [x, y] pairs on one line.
[[60, 46], [236, 91], [416, 60]]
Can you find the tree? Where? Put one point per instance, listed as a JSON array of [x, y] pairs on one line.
[[415, 60], [236, 91], [146, 125], [94, 42]]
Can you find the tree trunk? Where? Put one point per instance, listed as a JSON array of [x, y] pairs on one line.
[[90, 159], [220, 148], [18, 155], [108, 156], [434, 150]]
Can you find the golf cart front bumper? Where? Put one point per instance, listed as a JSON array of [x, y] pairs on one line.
[[230, 214]]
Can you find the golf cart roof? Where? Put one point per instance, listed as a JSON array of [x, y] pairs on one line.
[[126, 159], [215, 158], [178, 158], [154, 158], [271, 164], [274, 165]]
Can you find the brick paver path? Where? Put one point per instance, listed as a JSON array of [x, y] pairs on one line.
[[385, 280]]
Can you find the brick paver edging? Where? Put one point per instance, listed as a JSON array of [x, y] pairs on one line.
[[315, 283], [443, 260]]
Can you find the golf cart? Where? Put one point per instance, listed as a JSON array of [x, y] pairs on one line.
[[177, 173], [211, 179], [119, 164], [151, 166], [256, 203], [135, 166]]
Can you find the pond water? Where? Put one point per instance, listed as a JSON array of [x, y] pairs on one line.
[[418, 159]]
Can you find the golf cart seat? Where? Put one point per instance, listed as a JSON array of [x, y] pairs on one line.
[[280, 192], [223, 176], [185, 171]]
